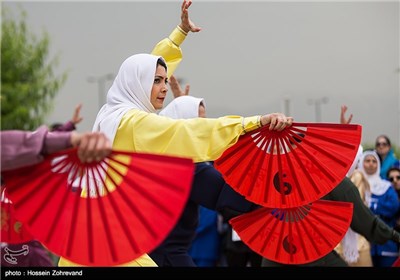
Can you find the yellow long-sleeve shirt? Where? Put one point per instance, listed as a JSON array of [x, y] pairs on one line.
[[201, 139], [169, 48]]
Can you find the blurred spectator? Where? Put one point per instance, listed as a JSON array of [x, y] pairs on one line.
[[384, 203], [383, 148], [393, 175]]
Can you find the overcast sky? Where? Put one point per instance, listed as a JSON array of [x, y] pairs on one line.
[[249, 58]]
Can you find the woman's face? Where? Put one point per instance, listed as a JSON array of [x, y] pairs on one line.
[[394, 178], [159, 89], [370, 164], [382, 146]]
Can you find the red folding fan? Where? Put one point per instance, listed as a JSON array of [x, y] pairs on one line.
[[295, 235], [101, 214], [292, 167], [12, 230]]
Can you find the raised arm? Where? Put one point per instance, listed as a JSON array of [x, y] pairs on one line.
[[169, 48], [343, 119], [76, 117], [71, 124], [176, 87]]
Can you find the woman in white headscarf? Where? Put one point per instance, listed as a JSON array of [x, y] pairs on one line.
[[384, 203], [169, 48], [130, 120]]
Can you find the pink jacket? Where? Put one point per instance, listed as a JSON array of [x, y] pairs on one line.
[[20, 148]]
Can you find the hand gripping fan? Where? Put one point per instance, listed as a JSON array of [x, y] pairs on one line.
[[12, 230], [104, 213], [295, 235], [292, 167]]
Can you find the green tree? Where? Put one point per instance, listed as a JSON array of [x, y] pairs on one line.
[[28, 81]]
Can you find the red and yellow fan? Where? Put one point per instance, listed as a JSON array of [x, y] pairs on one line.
[[104, 213]]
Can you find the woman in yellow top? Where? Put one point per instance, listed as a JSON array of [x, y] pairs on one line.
[[129, 119], [170, 49]]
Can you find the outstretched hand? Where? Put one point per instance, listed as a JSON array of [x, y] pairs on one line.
[[343, 119], [176, 87], [186, 24], [276, 121]]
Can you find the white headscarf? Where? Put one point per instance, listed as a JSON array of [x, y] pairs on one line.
[[356, 161], [183, 107], [378, 186], [131, 89]]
